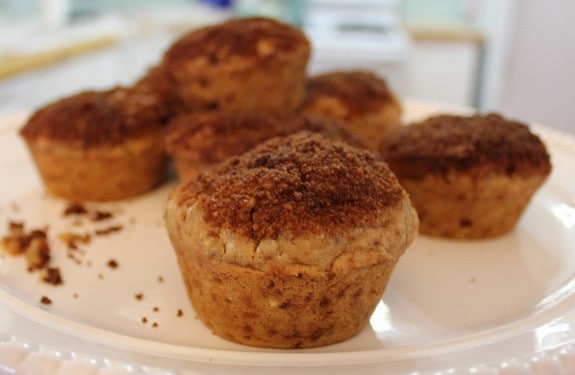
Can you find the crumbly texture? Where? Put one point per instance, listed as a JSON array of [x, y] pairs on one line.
[[459, 143], [291, 244], [361, 99], [35, 247], [199, 140], [99, 146], [95, 118], [298, 184], [243, 63], [468, 176]]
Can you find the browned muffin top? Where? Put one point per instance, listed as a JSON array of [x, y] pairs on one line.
[[211, 137], [298, 184], [458, 143], [256, 37], [360, 91], [93, 118]]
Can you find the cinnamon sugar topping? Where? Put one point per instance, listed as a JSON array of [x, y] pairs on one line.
[[256, 37], [213, 136], [97, 117], [450, 142], [302, 183]]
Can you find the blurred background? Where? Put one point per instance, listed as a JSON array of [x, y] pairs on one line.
[[512, 56]]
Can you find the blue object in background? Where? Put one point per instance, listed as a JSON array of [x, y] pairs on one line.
[[219, 3]]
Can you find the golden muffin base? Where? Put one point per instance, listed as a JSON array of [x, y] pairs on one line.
[[474, 205], [288, 292], [269, 310], [100, 173]]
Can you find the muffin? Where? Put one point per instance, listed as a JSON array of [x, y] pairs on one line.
[[245, 63], [99, 145], [291, 244], [157, 82], [469, 177], [361, 99], [199, 140]]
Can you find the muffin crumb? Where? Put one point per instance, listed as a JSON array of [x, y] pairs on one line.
[[45, 300], [51, 275], [108, 230]]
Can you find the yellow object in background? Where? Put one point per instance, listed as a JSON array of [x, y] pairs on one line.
[[14, 64]]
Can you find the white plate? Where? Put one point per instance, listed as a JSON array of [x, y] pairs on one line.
[[444, 297]]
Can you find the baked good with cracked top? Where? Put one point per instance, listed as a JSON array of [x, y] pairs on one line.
[[360, 99], [99, 145], [291, 244], [197, 141], [244, 63], [468, 176]]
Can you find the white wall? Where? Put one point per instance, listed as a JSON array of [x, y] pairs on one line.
[[538, 78], [443, 71]]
